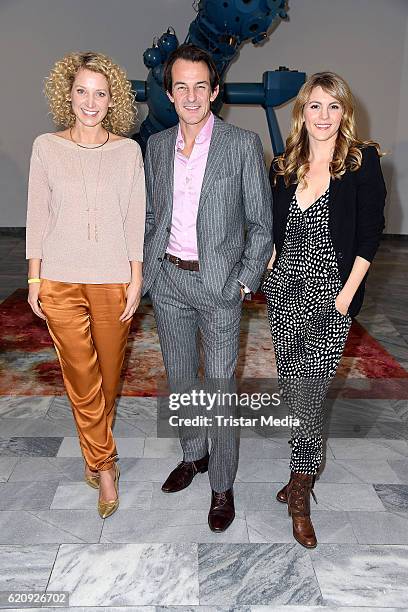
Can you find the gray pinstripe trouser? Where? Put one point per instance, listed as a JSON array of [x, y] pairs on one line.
[[184, 312]]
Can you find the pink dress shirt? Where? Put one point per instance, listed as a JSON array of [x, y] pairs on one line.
[[188, 180]]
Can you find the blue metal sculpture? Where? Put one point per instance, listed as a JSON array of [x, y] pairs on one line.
[[220, 28]]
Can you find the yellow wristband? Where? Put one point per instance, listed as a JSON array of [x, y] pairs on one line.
[[34, 280]]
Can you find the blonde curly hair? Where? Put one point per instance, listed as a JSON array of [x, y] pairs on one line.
[[293, 165], [120, 117]]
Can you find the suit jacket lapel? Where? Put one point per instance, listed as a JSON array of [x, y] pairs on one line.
[[215, 155], [334, 210], [333, 191], [287, 195], [168, 165]]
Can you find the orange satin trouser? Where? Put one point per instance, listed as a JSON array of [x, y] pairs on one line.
[[90, 341]]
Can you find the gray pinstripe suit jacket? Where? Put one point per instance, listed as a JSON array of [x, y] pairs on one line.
[[234, 220]]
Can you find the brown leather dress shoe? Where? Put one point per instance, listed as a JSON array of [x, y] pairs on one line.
[[298, 491], [183, 474], [222, 510]]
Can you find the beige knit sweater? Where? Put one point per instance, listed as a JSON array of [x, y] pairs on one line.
[[86, 210]]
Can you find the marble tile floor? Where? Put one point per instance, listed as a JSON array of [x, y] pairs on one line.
[[157, 553]]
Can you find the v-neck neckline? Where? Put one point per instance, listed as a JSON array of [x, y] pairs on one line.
[[303, 210]]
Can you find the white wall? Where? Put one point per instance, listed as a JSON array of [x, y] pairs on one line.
[[366, 41], [398, 209], [362, 40]]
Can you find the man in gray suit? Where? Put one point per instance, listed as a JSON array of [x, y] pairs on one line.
[[208, 240]]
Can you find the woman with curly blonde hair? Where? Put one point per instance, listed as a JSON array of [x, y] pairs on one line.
[[328, 203], [85, 229]]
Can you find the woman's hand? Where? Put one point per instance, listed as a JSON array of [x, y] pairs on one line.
[[357, 274], [342, 303], [133, 297], [33, 291]]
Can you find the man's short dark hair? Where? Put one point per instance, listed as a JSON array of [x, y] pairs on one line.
[[190, 53]]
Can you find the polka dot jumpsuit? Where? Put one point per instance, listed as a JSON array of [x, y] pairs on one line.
[[308, 332]]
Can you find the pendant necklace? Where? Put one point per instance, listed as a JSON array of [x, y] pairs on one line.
[[90, 210]]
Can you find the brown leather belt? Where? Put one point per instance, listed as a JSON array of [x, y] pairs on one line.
[[182, 263]]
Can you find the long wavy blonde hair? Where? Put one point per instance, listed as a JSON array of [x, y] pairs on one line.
[[293, 165], [58, 86]]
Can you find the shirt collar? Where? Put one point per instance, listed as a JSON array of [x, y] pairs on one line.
[[202, 137]]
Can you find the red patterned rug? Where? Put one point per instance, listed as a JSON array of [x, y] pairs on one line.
[[28, 364]]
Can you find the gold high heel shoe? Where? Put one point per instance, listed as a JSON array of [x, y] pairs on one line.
[[105, 509], [92, 481]]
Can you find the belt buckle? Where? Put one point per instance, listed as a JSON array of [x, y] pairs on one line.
[[177, 261]]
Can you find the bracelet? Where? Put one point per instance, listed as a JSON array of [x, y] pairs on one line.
[[34, 280]]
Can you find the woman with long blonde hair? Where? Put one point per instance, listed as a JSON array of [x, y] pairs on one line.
[[85, 230], [328, 203]]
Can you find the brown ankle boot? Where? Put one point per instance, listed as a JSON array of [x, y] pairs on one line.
[[282, 495], [299, 489]]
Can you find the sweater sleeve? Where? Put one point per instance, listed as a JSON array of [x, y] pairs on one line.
[[135, 218], [371, 194], [39, 195]]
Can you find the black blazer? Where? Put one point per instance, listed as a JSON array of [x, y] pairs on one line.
[[356, 215]]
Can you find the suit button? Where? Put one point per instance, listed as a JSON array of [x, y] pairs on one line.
[[340, 255], [160, 259], [168, 230]]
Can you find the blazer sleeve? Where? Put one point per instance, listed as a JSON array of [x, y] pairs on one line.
[[371, 193], [257, 200]]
